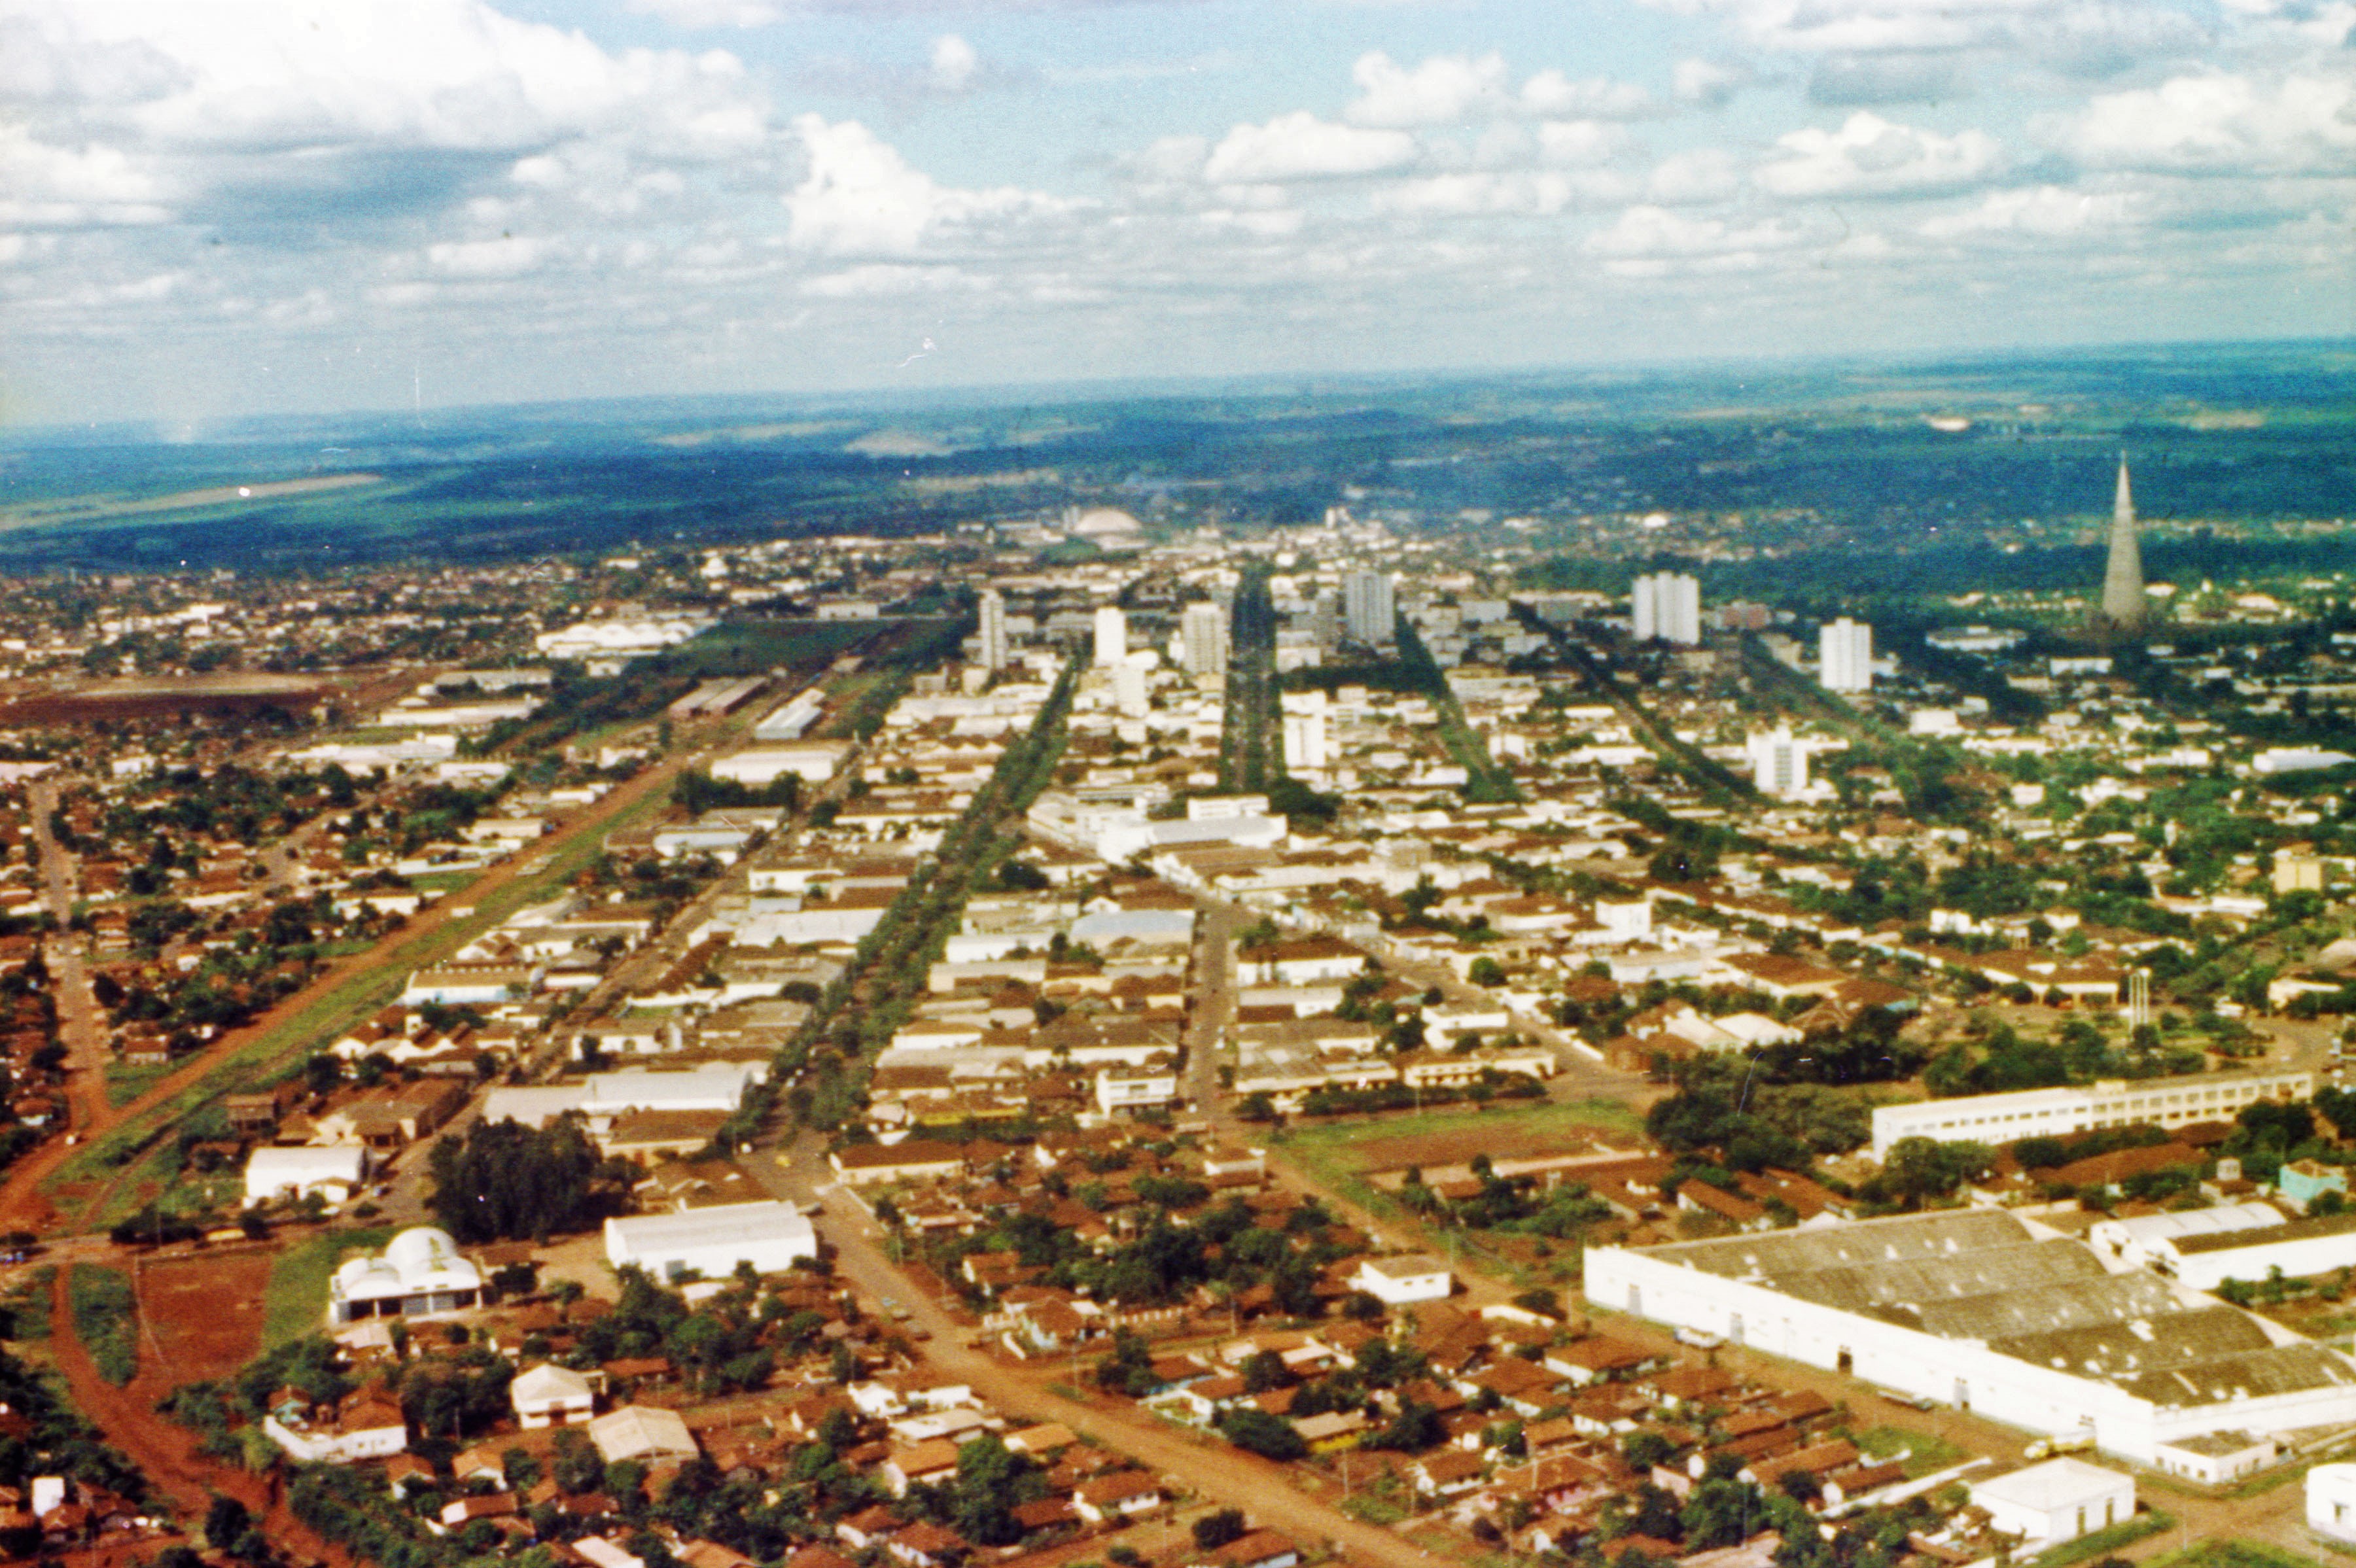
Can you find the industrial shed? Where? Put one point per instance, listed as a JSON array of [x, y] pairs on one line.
[[712, 1241], [1978, 1309]]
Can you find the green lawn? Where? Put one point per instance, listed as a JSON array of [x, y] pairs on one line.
[[1335, 1146], [124, 1084], [294, 1036], [2232, 1555], [295, 1301], [105, 1319], [1929, 1451], [2104, 1543]]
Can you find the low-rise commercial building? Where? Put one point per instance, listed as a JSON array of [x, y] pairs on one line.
[[2059, 1113]]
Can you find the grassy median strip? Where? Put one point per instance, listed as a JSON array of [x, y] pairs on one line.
[[105, 1319]]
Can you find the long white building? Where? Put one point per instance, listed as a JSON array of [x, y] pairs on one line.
[[2108, 1103], [1978, 1309]]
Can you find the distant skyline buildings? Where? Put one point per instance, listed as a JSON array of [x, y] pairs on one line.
[[1369, 610], [1845, 654], [1779, 764], [1202, 639], [992, 630], [2124, 605], [1111, 635], [1666, 607]]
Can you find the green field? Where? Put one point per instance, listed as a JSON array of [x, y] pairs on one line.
[[1335, 1144], [127, 1083], [749, 647], [1924, 1451], [295, 1300], [1333, 1156], [105, 1319]]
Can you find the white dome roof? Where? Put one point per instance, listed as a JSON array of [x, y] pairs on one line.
[[1107, 520]]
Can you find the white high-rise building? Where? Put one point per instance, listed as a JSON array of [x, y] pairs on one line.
[[1202, 634], [1304, 742], [1845, 649], [1666, 607], [1368, 613], [993, 629], [1779, 764], [1129, 689], [1112, 635]]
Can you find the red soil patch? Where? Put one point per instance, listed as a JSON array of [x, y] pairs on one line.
[[203, 1312]]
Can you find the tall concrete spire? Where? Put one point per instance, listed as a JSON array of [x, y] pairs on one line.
[[2123, 596]]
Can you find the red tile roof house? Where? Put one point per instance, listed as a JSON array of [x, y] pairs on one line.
[[1446, 1474], [1131, 1494], [926, 1545], [1260, 1549]]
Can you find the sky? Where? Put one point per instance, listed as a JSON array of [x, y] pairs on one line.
[[211, 208]]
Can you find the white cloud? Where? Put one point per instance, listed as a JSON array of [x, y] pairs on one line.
[[1690, 178], [1709, 82], [883, 278], [45, 187], [711, 13], [310, 110], [1869, 26], [1647, 240], [952, 63], [2044, 212], [508, 256], [1581, 142], [2223, 122], [1442, 90], [1484, 193], [861, 198], [1591, 98], [1872, 157], [1298, 146]]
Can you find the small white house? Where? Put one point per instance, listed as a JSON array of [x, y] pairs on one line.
[[551, 1395], [642, 1432], [2331, 1501], [2214, 1459], [333, 1172], [1135, 1088], [2059, 1500], [1395, 1282]]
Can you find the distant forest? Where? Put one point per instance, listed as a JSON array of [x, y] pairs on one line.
[[1836, 458]]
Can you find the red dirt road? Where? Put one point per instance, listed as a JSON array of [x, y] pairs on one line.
[[165, 1453]]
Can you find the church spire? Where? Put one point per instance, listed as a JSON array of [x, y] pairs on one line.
[[2123, 595]]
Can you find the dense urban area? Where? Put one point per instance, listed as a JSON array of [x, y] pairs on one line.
[[1130, 1030]]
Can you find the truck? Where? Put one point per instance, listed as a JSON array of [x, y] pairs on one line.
[[2081, 1441]]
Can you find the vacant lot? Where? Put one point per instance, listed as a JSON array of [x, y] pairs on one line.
[[1453, 1138], [204, 1309]]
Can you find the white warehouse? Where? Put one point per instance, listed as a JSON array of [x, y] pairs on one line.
[[813, 762], [1979, 1309], [712, 1241], [2058, 1113]]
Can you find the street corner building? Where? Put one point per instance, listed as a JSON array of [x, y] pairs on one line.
[[1985, 1310]]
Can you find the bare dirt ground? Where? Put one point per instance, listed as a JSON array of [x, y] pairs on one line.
[[165, 1453], [200, 1313]]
